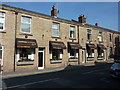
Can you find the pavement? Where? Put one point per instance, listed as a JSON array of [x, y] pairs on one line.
[[26, 73]]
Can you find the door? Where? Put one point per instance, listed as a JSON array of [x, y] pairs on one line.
[[83, 56], [41, 59]]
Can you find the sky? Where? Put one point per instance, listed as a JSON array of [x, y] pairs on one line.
[[103, 13]]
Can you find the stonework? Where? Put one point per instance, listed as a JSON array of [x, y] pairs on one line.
[[41, 31]]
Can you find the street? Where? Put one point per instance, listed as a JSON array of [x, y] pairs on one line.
[[96, 76]]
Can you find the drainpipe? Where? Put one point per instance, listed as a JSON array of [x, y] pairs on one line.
[[16, 13], [78, 43]]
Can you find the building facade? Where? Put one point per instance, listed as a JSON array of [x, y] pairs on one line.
[[35, 41]]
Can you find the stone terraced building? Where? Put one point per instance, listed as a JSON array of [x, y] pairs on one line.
[[34, 41]]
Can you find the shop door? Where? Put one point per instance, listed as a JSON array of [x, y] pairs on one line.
[[41, 59], [83, 56]]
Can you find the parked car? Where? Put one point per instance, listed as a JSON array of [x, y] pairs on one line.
[[115, 69]]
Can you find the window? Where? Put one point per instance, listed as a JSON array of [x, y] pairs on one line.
[[100, 38], [25, 54], [89, 35], [55, 30], [2, 20], [26, 24], [72, 32], [73, 53], [90, 52], [1, 53], [100, 53], [110, 37], [56, 54], [111, 51]]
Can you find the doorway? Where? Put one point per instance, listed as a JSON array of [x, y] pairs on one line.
[[40, 59]]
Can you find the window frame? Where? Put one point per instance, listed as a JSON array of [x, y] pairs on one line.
[[100, 52], [59, 53], [89, 33], [58, 29], [3, 21], [1, 62], [30, 51], [74, 32], [90, 53], [26, 23], [110, 37], [100, 36], [111, 51]]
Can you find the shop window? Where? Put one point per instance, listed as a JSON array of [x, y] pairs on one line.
[[25, 54], [73, 54], [72, 32], [57, 54], [26, 24], [2, 20], [100, 53], [90, 53]]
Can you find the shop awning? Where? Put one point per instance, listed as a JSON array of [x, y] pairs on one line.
[[101, 46], [26, 43], [92, 46], [74, 45], [57, 45]]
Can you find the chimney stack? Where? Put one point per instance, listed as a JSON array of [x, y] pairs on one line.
[[82, 19], [54, 11]]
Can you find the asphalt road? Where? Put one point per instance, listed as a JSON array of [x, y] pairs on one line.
[[71, 77]]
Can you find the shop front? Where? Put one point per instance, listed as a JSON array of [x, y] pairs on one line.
[[90, 51], [101, 51], [73, 51], [25, 50], [56, 51]]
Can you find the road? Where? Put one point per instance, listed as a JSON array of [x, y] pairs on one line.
[[96, 76]]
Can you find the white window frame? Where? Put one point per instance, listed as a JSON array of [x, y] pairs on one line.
[[57, 30], [92, 53], [101, 53], [26, 23], [100, 37], [89, 31], [18, 54], [75, 53], [1, 62], [3, 20], [59, 52], [74, 32]]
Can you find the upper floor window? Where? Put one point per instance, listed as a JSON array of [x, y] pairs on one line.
[[110, 37], [26, 24], [1, 52], [72, 32], [2, 20], [89, 34], [100, 37], [55, 30]]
